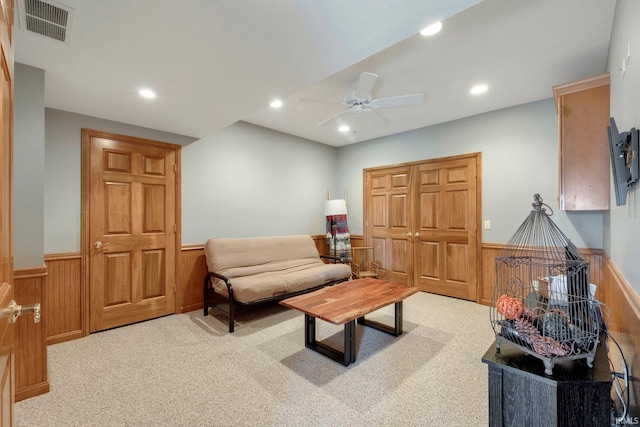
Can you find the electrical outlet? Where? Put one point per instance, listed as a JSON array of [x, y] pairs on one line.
[[487, 224]]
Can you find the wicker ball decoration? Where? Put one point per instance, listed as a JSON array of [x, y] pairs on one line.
[[511, 308]]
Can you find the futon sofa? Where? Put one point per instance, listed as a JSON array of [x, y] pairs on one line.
[[249, 271]]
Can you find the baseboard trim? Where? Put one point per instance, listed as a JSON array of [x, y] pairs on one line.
[[25, 273], [67, 336], [191, 307], [32, 391]]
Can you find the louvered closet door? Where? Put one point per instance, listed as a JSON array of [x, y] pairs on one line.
[[388, 221], [446, 247]]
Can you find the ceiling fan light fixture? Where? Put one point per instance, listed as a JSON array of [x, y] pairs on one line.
[[147, 93], [431, 29], [479, 89], [276, 103]]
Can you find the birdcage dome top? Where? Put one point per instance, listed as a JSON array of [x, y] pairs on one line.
[[538, 238]]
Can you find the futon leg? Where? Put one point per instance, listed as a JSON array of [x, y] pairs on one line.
[[205, 294], [232, 315]]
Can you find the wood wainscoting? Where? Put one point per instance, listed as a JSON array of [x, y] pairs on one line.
[[624, 324], [65, 303], [30, 338], [191, 278]]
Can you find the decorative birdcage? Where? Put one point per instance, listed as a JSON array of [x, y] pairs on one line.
[[543, 301]]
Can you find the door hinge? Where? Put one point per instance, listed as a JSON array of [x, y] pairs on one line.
[[175, 228], [175, 168]]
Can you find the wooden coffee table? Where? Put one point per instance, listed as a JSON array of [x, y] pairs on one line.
[[345, 303]]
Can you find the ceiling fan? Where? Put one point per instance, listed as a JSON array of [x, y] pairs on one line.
[[359, 101]]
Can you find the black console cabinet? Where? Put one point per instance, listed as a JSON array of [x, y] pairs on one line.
[[522, 395]]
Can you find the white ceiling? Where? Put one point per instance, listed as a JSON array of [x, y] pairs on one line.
[[216, 62]]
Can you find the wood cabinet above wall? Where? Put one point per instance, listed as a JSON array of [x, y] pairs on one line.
[[583, 116]]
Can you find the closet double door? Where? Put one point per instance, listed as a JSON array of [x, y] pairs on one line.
[[423, 219]]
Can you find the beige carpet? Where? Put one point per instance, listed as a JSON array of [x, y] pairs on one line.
[[186, 370]]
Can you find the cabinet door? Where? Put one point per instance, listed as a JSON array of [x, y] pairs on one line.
[[583, 117]]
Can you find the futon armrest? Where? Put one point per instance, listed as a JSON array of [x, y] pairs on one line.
[[334, 258], [225, 279]]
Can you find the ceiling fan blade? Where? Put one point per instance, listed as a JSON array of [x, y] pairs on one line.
[[319, 101], [332, 118], [397, 101], [373, 118], [365, 84]]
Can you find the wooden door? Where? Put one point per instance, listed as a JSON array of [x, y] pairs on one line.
[[132, 229], [447, 225], [422, 219], [7, 391], [388, 221]]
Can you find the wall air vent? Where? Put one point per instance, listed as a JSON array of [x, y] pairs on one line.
[[46, 18]]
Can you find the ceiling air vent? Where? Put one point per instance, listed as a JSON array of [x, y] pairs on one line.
[[47, 18]]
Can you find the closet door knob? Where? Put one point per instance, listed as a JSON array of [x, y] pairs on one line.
[[417, 234], [99, 245], [409, 234]]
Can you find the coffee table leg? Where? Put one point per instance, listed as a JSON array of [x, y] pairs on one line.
[[309, 330], [395, 330], [349, 342], [345, 357]]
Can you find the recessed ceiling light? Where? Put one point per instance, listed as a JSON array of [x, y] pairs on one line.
[[147, 93], [432, 29], [478, 89], [276, 103], [343, 128]]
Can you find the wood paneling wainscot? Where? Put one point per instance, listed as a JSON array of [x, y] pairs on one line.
[[191, 278], [624, 325], [30, 337], [65, 312]]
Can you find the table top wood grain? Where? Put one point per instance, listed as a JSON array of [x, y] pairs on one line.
[[350, 300]]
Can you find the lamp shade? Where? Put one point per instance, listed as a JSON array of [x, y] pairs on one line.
[[335, 207]]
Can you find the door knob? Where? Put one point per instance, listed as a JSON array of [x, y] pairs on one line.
[[410, 234], [99, 245], [417, 234], [14, 310]]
